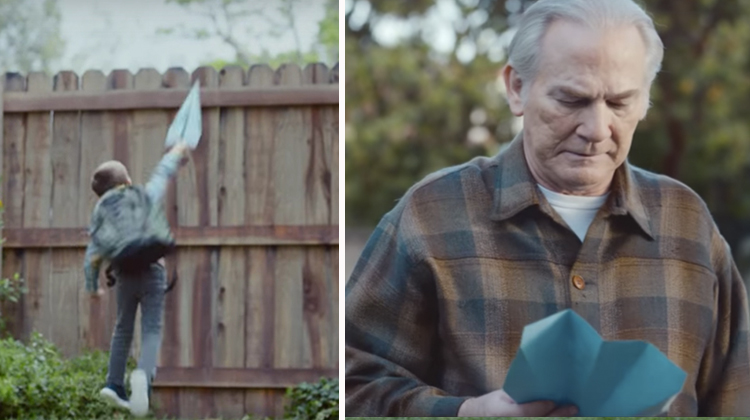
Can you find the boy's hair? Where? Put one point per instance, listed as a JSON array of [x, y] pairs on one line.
[[109, 175]]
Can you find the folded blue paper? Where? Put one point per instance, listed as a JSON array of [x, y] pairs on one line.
[[562, 358], [187, 124]]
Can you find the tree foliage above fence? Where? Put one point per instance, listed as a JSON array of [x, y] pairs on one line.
[[29, 34]]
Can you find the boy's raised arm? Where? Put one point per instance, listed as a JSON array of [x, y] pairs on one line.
[[156, 186]]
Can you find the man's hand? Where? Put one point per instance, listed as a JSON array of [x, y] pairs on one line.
[[500, 404]]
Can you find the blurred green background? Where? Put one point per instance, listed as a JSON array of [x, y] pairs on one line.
[[423, 92]]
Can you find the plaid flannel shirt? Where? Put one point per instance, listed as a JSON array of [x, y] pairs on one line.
[[436, 305]]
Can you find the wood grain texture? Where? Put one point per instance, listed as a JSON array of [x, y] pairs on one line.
[[66, 277], [291, 159], [279, 96], [196, 403], [14, 160], [230, 283], [229, 403], [2, 161], [291, 155], [265, 403], [13, 164], [206, 156], [259, 333], [318, 168], [170, 355], [166, 402], [292, 342], [260, 149], [36, 212], [96, 146], [216, 377]]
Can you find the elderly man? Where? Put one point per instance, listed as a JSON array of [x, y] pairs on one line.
[[436, 305]]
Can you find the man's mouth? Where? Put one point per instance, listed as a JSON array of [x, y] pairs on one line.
[[583, 154]]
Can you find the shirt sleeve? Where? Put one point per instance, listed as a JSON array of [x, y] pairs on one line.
[[156, 186], [91, 265], [92, 259], [723, 387], [391, 333]]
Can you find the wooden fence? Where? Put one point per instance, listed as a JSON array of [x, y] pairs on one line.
[[255, 215]]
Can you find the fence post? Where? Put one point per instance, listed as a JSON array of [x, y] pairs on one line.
[[2, 180]]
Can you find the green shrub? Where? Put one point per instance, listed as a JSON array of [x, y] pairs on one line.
[[36, 382], [318, 401], [10, 291]]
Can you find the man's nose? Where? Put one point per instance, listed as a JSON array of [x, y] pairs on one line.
[[595, 124]]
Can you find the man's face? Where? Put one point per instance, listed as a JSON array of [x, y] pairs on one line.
[[581, 109]]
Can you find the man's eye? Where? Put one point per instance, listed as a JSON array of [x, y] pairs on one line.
[[573, 103], [616, 105]]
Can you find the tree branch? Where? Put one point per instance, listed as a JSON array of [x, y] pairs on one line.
[[227, 37], [289, 12], [715, 16]]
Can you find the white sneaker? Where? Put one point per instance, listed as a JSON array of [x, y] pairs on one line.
[[111, 396], [139, 395]]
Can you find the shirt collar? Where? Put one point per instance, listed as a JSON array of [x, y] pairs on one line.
[[515, 189]]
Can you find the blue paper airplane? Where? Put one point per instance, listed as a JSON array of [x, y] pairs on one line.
[[563, 359], [187, 124]]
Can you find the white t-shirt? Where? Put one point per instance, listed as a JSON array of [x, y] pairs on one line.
[[577, 211]]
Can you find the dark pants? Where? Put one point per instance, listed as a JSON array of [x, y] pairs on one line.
[[147, 289]]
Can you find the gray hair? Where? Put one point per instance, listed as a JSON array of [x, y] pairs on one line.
[[523, 54]]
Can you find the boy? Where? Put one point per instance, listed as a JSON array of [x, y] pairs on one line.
[[145, 286]]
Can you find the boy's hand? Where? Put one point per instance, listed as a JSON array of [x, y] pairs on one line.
[[181, 149], [97, 294]]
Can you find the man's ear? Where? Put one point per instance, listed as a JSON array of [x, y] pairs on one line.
[[513, 88]]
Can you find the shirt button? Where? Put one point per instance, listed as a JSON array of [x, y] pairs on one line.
[[578, 282]]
